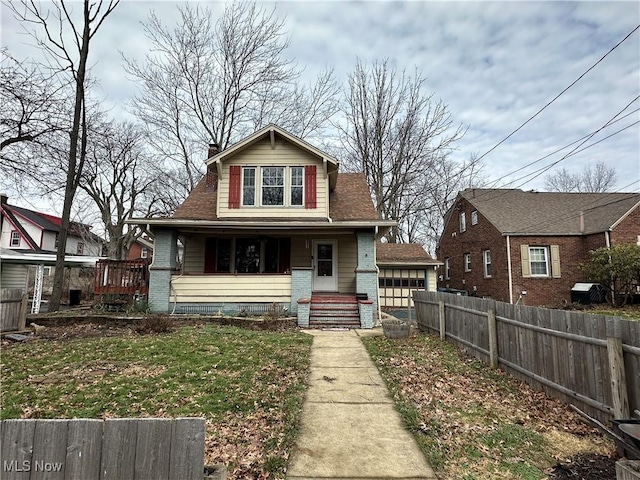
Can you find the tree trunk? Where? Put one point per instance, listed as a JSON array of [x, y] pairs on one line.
[[71, 184]]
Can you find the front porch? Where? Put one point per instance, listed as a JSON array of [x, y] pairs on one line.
[[247, 273]]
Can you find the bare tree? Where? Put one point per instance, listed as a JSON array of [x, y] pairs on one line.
[[398, 136], [118, 177], [217, 81], [599, 178], [67, 43], [34, 108]]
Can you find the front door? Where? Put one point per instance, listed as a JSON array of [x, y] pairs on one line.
[[325, 263]]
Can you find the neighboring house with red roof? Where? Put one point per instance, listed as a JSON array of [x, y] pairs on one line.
[[34, 235], [272, 221], [512, 245], [28, 230], [404, 268]]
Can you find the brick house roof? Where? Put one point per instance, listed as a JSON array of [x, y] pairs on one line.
[[350, 200], [549, 213], [409, 253]]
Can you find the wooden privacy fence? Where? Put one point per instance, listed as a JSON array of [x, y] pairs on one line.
[[592, 361], [118, 449], [13, 309]]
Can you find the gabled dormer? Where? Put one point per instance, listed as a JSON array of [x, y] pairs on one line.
[[272, 174]]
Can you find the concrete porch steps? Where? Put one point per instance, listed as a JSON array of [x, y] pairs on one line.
[[334, 310]]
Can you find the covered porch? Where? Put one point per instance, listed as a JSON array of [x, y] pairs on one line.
[[248, 270]]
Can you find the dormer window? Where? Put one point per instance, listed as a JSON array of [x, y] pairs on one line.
[[273, 186]]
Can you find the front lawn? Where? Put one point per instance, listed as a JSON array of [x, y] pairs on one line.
[[248, 385], [475, 423]]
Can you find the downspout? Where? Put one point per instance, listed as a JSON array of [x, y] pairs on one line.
[[607, 242], [509, 270], [375, 257]]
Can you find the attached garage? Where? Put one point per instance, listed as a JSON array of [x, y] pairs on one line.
[[403, 268]]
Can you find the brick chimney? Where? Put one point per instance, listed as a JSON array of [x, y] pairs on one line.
[[214, 149], [212, 172]]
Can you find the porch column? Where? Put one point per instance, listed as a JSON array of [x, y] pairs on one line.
[[301, 280], [366, 271], [165, 247]]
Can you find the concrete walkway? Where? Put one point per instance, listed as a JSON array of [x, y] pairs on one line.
[[349, 427]]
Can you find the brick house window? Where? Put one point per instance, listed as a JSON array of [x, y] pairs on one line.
[[447, 269], [144, 253], [539, 261], [463, 222], [15, 239], [474, 217], [467, 262], [80, 248], [486, 256]]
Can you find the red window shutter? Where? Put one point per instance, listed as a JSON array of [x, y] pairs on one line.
[[234, 186], [310, 186]]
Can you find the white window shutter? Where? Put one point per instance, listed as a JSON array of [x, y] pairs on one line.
[[524, 255], [555, 261]]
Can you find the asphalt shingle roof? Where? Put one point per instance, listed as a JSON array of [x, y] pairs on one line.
[[403, 253], [550, 213]]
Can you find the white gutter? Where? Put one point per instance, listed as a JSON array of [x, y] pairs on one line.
[[509, 270]]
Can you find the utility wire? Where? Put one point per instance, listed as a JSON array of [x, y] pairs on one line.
[[558, 96]]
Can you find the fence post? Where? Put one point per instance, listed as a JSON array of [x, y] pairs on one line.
[[493, 338], [22, 315], [616, 370], [442, 320]]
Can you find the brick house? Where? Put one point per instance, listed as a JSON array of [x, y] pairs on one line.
[[142, 248], [512, 245], [272, 221]]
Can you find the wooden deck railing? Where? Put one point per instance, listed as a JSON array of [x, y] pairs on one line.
[[122, 277]]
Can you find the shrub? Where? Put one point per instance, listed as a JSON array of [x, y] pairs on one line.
[[154, 324]]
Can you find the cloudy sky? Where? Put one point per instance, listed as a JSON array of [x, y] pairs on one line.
[[495, 64]]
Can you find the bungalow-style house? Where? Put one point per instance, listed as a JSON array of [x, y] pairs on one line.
[[271, 222], [516, 246], [404, 268]]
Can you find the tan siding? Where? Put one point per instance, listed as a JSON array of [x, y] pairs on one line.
[[432, 280], [285, 154], [194, 255], [14, 276], [231, 288], [347, 263]]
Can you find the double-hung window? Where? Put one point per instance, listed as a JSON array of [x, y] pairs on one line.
[[297, 186], [15, 238], [463, 222], [474, 217], [539, 261], [486, 255], [248, 186], [272, 186], [467, 262], [447, 268]]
